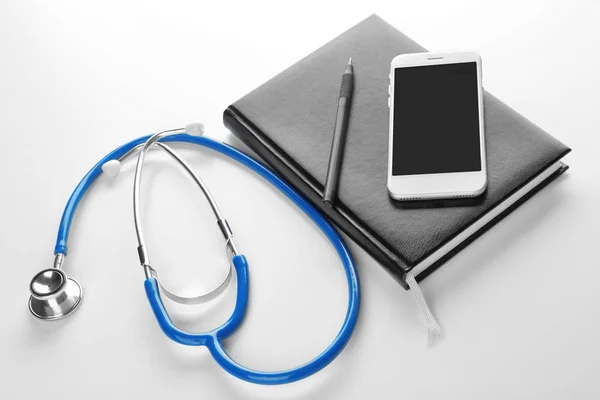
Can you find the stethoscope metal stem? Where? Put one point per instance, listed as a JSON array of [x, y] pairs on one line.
[[59, 259], [137, 179], [142, 249], [222, 223], [184, 164]]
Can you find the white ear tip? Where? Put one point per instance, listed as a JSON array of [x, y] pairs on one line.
[[111, 168], [195, 128]]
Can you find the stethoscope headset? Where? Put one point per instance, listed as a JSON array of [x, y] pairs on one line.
[[55, 295]]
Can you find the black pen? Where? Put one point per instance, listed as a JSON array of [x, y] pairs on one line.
[[339, 136]]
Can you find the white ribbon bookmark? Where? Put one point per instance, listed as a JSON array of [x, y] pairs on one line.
[[434, 330]]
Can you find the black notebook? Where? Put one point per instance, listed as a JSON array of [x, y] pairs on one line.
[[289, 120]]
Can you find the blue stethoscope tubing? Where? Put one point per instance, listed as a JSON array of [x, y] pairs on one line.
[[213, 339]]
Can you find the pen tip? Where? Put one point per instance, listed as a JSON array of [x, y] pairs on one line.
[[350, 61]]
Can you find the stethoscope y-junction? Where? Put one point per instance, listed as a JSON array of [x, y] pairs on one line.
[[55, 295]]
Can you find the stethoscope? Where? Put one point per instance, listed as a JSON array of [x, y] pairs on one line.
[[55, 295]]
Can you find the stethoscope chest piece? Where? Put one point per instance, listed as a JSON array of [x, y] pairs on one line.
[[53, 294]]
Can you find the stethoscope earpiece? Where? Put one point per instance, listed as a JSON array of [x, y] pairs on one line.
[[195, 128], [111, 168], [53, 294]]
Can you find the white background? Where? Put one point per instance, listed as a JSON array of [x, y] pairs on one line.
[[519, 306]]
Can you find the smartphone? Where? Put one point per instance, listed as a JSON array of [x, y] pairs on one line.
[[436, 142]]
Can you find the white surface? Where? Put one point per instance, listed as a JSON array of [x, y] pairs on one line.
[[519, 306]]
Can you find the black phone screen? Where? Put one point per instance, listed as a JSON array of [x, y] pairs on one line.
[[436, 119]]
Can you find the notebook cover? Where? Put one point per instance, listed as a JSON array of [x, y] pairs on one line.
[[289, 120]]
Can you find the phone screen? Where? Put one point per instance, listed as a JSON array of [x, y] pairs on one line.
[[436, 119]]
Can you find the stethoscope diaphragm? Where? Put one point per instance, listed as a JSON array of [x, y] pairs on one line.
[[53, 294]]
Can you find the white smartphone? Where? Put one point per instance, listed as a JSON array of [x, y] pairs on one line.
[[436, 144]]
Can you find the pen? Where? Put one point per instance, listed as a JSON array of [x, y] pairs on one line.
[[339, 136]]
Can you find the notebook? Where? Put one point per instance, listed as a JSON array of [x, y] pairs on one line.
[[288, 121]]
